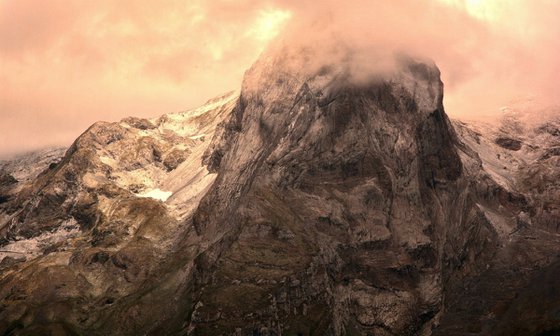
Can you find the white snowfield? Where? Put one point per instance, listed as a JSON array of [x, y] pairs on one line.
[[156, 194]]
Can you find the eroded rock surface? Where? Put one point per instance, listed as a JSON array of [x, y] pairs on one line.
[[90, 232]]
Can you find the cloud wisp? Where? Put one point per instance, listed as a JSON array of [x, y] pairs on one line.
[[65, 64], [489, 51]]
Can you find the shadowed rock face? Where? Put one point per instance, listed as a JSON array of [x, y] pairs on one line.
[[309, 204], [513, 293], [323, 210]]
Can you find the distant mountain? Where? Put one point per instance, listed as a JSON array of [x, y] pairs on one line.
[[308, 203]]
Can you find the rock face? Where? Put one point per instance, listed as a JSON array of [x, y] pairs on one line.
[[514, 293], [310, 203], [103, 224]]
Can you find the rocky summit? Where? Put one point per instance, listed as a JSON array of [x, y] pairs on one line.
[[309, 203]]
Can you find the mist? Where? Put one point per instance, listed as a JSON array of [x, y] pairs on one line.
[[489, 52], [67, 64]]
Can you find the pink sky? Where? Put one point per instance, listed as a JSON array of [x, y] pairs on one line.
[[65, 64]]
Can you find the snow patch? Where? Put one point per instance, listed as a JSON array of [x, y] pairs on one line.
[[156, 194], [196, 137], [107, 160], [180, 122]]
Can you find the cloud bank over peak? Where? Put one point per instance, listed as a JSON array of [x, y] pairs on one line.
[[489, 51]]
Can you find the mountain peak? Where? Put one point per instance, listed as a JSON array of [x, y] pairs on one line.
[[284, 67]]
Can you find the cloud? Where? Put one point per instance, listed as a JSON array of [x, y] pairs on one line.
[[489, 51], [65, 64]]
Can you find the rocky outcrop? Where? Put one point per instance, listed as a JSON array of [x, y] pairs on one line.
[[323, 209], [312, 202], [509, 143], [7, 182], [104, 224]]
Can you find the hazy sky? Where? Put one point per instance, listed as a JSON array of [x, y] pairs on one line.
[[65, 64]]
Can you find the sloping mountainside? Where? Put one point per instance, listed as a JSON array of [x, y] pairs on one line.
[[309, 203]]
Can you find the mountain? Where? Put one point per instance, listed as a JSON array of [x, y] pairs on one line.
[[312, 202]]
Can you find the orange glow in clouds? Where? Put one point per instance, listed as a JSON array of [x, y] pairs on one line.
[[65, 64], [268, 24], [482, 9]]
